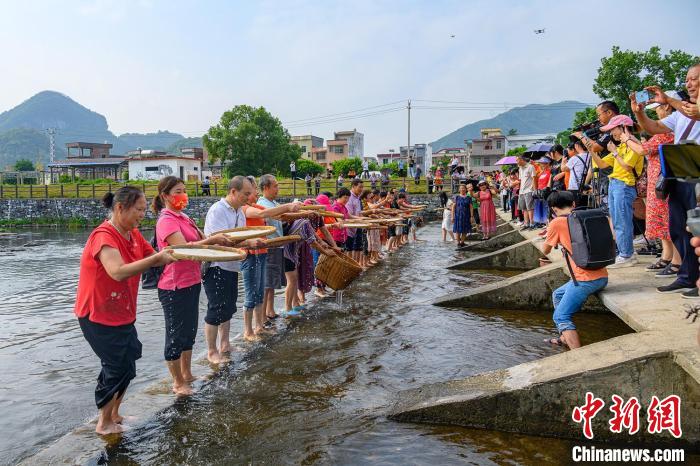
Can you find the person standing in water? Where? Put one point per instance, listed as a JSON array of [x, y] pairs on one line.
[[487, 209], [462, 214], [180, 283], [111, 264], [221, 279], [255, 265]]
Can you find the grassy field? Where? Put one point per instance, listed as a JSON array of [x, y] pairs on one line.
[[96, 191]]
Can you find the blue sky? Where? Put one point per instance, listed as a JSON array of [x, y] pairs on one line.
[[148, 64]]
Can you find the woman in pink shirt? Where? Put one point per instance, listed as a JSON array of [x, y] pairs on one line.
[[180, 283]]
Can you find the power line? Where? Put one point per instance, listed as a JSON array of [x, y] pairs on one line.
[[343, 113], [501, 104], [353, 117]]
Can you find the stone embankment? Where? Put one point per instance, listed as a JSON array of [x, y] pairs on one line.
[[91, 211], [662, 358]]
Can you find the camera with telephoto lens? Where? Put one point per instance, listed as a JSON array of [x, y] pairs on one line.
[[592, 131]]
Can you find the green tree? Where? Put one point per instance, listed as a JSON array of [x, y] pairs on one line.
[[443, 162], [24, 165], [305, 166], [627, 71], [516, 151], [250, 141], [512, 132], [354, 163], [586, 115], [391, 167]]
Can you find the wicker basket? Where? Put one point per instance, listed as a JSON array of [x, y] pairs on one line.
[[337, 271]]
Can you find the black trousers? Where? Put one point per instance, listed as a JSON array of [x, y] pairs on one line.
[[118, 348], [221, 287], [681, 199], [181, 312]]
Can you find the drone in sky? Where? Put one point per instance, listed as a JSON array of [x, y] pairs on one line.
[[539, 31]]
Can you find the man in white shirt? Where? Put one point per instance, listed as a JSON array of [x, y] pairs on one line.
[[221, 278], [685, 125], [365, 170], [526, 200]]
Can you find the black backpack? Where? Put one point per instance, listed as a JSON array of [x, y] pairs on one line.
[[592, 242], [150, 277]]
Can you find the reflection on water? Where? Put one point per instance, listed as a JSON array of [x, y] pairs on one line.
[[316, 394]]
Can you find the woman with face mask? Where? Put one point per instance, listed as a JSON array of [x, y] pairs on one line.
[[181, 282]]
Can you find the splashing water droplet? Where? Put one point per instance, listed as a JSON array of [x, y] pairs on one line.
[[339, 297]]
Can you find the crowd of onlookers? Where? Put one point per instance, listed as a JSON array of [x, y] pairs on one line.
[[614, 165]]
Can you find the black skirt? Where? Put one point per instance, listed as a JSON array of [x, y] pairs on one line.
[[118, 348]]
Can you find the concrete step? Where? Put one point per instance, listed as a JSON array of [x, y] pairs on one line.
[[538, 397]]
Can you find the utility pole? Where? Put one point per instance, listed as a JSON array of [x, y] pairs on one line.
[[52, 143], [408, 148]]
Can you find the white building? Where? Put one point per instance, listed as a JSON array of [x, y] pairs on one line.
[[356, 142], [525, 140], [155, 168]]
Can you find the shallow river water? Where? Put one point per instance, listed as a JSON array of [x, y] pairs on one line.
[[317, 393]]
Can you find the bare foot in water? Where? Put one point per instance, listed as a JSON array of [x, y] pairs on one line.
[[225, 347], [183, 390], [214, 357], [252, 337], [265, 331], [109, 428], [189, 378]]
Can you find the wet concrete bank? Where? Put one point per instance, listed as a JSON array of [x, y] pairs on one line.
[[529, 291], [520, 256], [538, 397]]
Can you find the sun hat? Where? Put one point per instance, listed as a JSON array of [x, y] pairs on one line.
[[671, 94], [617, 120]]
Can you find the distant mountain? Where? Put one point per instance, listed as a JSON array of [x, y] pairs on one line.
[[23, 130], [157, 141], [530, 119], [24, 143], [182, 143]]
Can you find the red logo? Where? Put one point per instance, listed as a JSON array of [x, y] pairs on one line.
[[665, 415], [661, 415], [587, 412], [625, 415]]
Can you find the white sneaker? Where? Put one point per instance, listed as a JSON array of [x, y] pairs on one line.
[[621, 262], [640, 240]]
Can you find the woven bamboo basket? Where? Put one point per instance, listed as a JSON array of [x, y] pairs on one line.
[[337, 271]]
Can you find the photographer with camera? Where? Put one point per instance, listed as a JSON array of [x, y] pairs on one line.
[[558, 176], [577, 164], [681, 196], [627, 165], [595, 140]]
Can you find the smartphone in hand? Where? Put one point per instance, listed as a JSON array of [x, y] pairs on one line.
[[642, 96]]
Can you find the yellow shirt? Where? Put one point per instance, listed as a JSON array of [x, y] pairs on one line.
[[631, 158]]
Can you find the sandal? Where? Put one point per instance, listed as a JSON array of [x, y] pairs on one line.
[[554, 341], [658, 265]]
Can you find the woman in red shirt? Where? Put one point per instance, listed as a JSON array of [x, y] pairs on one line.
[[114, 257]]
